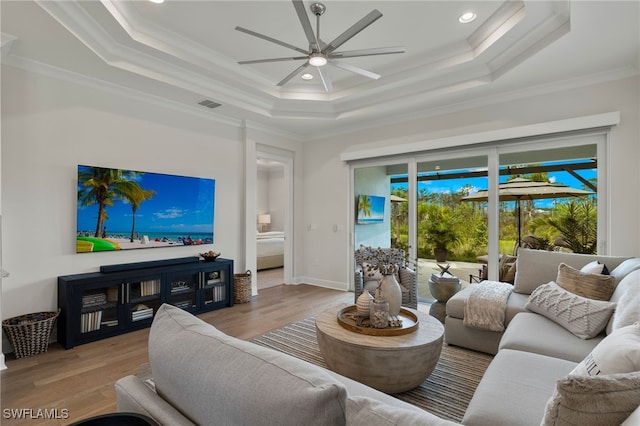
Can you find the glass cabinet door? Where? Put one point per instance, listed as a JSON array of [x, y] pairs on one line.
[[143, 298], [182, 290], [213, 287], [99, 308]]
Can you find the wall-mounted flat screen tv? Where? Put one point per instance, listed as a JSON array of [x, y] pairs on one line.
[[125, 209], [370, 209]]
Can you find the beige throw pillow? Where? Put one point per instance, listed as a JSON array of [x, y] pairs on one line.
[[603, 400], [619, 352], [592, 286], [584, 317]]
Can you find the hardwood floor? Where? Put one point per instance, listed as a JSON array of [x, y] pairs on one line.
[[80, 381]]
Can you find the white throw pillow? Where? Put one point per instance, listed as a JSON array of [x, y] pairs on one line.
[[604, 389], [619, 352], [370, 272], [595, 267], [585, 318]]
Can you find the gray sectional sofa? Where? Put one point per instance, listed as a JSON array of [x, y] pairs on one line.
[[535, 352], [203, 376]]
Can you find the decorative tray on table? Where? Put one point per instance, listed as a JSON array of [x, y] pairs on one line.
[[349, 318]]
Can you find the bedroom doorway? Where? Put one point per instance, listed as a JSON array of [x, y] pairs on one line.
[[272, 207]]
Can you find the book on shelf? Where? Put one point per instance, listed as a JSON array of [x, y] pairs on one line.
[[149, 287], [95, 299], [90, 321], [141, 312]]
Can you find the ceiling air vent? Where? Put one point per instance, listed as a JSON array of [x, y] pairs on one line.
[[209, 104]]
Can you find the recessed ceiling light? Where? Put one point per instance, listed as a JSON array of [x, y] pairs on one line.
[[157, 1], [306, 76], [467, 17]]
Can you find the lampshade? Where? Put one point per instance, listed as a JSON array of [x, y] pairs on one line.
[[264, 219]]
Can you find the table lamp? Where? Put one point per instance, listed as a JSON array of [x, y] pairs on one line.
[[264, 220]]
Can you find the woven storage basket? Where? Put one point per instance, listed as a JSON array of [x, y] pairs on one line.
[[29, 334], [242, 287]]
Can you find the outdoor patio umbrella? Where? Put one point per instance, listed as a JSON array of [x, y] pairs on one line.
[[525, 189]]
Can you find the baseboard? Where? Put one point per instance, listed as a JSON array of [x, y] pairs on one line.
[[334, 285]]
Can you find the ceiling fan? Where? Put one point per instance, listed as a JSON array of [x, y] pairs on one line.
[[320, 53]]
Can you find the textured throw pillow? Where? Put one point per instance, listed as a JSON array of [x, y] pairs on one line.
[[602, 400], [595, 267], [584, 317], [617, 353], [592, 286]]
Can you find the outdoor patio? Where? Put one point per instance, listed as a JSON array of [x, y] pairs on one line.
[[426, 267]]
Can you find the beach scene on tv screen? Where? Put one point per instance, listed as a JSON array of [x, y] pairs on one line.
[[124, 209]]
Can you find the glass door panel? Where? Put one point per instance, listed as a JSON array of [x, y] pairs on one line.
[[548, 199], [452, 230], [144, 298], [213, 286], [100, 308], [182, 291]]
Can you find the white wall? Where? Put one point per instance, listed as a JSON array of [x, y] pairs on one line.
[[49, 127], [327, 178], [373, 181]]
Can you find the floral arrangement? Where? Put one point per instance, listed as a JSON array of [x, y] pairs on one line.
[[380, 260]]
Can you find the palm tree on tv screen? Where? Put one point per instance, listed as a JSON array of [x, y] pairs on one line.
[[103, 186]]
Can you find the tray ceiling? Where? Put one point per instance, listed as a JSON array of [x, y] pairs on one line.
[[184, 52]]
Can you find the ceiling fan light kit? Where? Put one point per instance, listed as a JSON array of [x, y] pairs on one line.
[[320, 53]]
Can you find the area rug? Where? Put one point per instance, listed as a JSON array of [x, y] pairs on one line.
[[446, 392]]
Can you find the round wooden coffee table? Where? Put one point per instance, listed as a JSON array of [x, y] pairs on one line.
[[390, 364]]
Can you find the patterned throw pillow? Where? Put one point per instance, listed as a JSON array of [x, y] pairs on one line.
[[592, 286], [584, 317]]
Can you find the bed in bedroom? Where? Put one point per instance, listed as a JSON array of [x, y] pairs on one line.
[[270, 249]]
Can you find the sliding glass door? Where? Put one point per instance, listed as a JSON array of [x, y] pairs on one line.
[[451, 232], [470, 210]]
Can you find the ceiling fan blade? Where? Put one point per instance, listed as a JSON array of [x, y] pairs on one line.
[[293, 74], [306, 25], [272, 40], [355, 69], [326, 80], [363, 23], [367, 52], [262, 61]]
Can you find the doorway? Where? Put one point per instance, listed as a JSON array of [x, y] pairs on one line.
[[271, 208]]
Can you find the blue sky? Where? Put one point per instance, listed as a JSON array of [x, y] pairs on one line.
[[454, 185], [180, 205]]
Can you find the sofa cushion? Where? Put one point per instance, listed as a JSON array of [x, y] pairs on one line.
[[583, 317], [210, 376], [625, 268], [515, 389], [361, 411], [535, 333], [619, 352], [537, 267], [592, 286], [602, 400]]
